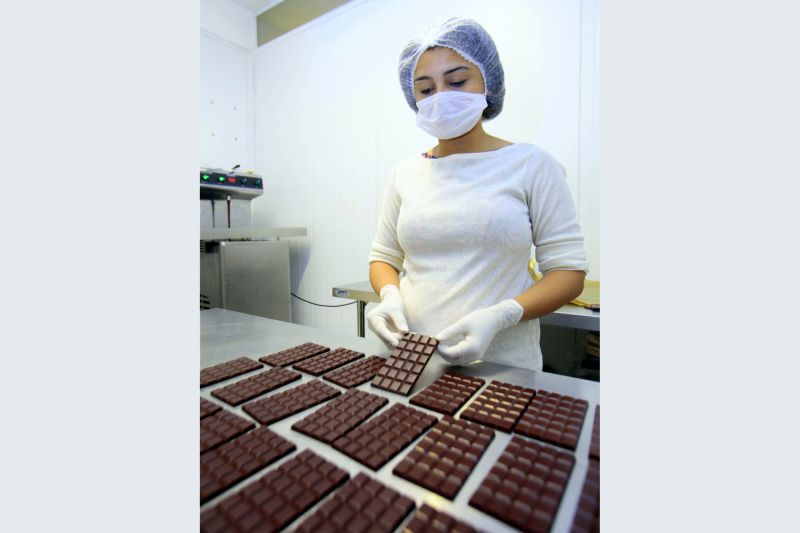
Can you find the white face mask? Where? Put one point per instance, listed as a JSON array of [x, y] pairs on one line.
[[450, 114]]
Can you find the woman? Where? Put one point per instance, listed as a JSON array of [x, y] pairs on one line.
[[460, 219]]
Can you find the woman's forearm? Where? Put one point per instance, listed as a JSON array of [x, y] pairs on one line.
[[381, 274], [555, 289]]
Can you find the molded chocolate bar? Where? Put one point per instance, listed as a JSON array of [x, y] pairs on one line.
[[525, 485], [553, 418], [207, 408], [330, 361], [375, 442], [220, 428], [277, 498], [594, 450], [232, 462], [448, 393], [405, 364], [444, 458], [363, 504], [227, 370], [246, 389], [587, 516], [284, 404], [294, 355], [333, 420], [499, 405], [357, 373], [429, 520]]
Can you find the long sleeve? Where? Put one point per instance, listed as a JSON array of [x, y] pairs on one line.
[[557, 236], [385, 247]]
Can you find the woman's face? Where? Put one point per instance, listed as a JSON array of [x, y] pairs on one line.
[[442, 69]]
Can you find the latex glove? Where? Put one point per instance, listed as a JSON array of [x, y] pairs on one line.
[[387, 320], [467, 339]]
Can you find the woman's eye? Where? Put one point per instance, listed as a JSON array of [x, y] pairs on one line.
[[458, 83], [425, 91]]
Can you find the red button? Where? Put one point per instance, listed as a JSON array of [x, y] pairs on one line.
[[231, 180]]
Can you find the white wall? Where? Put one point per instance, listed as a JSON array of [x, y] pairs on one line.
[[331, 121], [227, 42], [230, 21]]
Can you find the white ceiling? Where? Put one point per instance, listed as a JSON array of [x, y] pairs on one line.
[[258, 6]]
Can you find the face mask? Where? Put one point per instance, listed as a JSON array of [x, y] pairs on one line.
[[450, 114]]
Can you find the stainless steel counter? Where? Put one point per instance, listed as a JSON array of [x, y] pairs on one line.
[[226, 335], [569, 316]]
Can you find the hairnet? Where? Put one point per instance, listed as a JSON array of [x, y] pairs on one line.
[[468, 38]]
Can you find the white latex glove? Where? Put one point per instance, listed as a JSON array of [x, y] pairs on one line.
[[387, 320], [467, 339]]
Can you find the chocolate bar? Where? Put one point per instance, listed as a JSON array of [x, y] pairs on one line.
[[375, 442], [277, 498], [429, 520], [448, 393], [444, 458], [587, 515], [333, 420], [553, 418], [246, 389], [207, 408], [525, 485], [499, 405], [227, 370], [594, 450], [362, 504], [327, 362], [285, 404], [357, 373], [236, 460], [220, 428], [405, 364], [294, 355]]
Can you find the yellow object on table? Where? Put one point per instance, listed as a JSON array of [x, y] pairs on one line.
[[589, 298]]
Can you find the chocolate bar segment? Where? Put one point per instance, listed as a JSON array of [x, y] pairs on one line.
[[333, 420], [327, 362], [553, 418], [285, 404], [234, 461], [357, 373], [208, 408], [405, 364], [587, 515], [362, 504], [594, 450], [429, 520], [525, 485], [246, 389], [227, 370], [294, 355], [276, 499], [221, 427], [448, 393], [375, 442], [445, 457], [499, 405]]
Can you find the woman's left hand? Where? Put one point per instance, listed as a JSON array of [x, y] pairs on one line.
[[467, 339]]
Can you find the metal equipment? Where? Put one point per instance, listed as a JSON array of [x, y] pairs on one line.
[[242, 268]]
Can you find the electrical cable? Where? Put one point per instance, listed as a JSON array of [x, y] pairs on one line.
[[229, 210], [321, 305]]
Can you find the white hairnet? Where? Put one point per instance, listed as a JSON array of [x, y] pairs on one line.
[[469, 39]]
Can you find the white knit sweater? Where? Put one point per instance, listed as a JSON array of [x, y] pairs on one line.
[[461, 228]]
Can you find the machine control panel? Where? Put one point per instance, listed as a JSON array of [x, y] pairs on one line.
[[218, 183]]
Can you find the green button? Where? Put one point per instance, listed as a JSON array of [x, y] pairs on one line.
[[206, 176], [221, 179]]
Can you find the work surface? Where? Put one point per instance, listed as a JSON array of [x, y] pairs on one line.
[[226, 335]]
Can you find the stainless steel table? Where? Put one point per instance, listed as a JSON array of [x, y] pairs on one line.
[[225, 335], [569, 316]]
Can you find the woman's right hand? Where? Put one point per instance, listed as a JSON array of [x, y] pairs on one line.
[[388, 320]]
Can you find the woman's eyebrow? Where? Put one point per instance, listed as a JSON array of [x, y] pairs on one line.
[[445, 74]]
